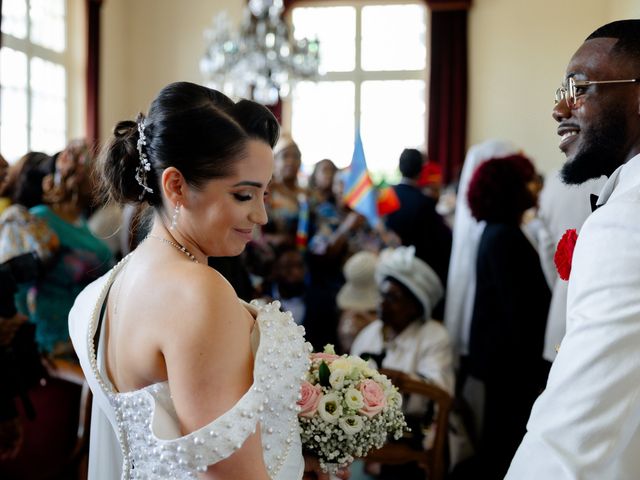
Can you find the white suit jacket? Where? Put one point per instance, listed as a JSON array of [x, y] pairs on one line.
[[585, 425]]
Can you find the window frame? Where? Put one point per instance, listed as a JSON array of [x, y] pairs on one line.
[[64, 59], [358, 76]]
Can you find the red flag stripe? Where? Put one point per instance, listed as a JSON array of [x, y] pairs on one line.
[[360, 189]]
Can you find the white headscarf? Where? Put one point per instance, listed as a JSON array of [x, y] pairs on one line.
[[402, 264], [461, 282]]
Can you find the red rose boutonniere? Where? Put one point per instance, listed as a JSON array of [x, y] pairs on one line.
[[564, 253]]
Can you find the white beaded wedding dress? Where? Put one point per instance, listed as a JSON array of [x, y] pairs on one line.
[[136, 435]]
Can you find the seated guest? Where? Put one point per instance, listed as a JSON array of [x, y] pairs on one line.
[[285, 193], [404, 337], [81, 257], [358, 298], [4, 171], [313, 308], [510, 309]]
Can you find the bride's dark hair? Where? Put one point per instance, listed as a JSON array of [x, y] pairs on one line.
[[195, 129]]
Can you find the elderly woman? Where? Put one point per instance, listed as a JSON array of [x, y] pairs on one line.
[[405, 338], [510, 309]]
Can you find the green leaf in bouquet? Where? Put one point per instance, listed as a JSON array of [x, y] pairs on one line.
[[323, 374]]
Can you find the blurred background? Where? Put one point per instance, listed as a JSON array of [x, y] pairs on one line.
[[72, 68]]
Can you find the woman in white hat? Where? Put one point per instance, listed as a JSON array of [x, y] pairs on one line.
[[404, 336], [358, 298]]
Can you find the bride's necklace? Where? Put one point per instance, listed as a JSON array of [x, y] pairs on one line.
[[176, 245]]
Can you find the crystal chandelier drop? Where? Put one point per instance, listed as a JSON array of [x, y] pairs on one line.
[[260, 61]]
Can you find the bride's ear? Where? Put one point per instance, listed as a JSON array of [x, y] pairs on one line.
[[173, 185]]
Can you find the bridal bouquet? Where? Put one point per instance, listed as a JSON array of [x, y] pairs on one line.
[[346, 409]]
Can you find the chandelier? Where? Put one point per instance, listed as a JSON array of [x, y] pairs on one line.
[[260, 61]]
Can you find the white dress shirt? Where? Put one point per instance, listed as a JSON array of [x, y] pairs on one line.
[[585, 425]]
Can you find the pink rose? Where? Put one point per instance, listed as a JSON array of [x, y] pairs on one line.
[[327, 357], [310, 396], [372, 396]]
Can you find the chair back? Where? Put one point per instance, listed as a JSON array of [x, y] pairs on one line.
[[432, 460]]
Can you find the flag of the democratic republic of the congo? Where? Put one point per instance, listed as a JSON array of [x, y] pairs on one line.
[[360, 193]]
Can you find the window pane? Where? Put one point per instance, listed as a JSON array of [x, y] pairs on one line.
[[392, 118], [322, 121], [393, 37], [13, 123], [46, 135], [335, 28], [47, 141], [14, 18], [48, 78], [48, 106], [48, 24], [13, 68]]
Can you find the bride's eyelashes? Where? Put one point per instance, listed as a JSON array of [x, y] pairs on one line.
[[245, 197], [242, 197]]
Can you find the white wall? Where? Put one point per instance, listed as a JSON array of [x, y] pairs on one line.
[[148, 44], [518, 51]]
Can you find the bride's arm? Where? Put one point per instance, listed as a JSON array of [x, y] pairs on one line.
[[209, 364]]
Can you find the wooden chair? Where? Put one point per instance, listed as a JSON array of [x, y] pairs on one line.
[[432, 461], [78, 461], [56, 441]]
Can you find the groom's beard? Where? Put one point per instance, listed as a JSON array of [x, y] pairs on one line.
[[602, 151]]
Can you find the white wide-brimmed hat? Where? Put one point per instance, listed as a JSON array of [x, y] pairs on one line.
[[360, 292]]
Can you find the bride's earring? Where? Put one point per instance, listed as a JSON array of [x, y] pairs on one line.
[[174, 218]]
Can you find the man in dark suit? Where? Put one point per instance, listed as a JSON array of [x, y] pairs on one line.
[[416, 222]]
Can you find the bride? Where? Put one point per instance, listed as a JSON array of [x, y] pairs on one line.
[[187, 380]]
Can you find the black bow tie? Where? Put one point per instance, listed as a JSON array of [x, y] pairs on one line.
[[594, 202]]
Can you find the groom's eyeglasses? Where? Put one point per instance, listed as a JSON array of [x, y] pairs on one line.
[[573, 93]]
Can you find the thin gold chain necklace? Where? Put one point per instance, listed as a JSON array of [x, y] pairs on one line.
[[176, 245]]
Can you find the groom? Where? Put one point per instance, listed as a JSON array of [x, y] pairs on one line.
[[586, 424]]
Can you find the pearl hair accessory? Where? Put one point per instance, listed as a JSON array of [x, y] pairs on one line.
[[145, 165]]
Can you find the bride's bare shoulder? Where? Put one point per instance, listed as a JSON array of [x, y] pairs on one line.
[[202, 292]]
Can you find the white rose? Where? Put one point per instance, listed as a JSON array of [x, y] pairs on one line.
[[341, 364], [329, 408], [353, 399], [336, 379], [394, 398], [351, 424], [383, 380]]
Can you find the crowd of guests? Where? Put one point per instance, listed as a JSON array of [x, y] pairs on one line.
[[461, 301]]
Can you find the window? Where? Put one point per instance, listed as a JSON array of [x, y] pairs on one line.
[[374, 60], [33, 77]]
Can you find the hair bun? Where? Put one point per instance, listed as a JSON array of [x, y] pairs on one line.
[[124, 129]]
